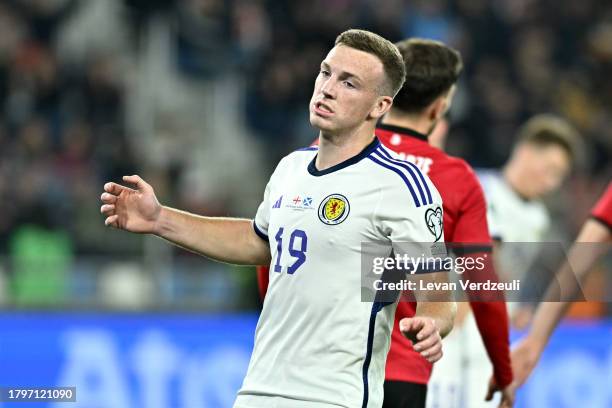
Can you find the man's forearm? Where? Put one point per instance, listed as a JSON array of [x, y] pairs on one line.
[[546, 319], [442, 312], [436, 304], [584, 253], [230, 240]]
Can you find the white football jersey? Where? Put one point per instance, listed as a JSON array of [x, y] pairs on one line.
[[316, 343], [513, 220]]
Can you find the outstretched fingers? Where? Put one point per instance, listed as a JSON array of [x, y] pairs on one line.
[[115, 189], [108, 198], [112, 221], [121, 204], [112, 190], [107, 209], [136, 180]]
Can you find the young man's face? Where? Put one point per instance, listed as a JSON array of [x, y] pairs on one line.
[[346, 90], [543, 168]]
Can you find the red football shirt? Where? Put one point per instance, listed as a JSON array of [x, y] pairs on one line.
[[603, 209], [465, 221]]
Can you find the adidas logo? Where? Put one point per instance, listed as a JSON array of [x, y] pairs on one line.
[[278, 202]]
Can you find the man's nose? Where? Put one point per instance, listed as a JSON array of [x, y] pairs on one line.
[[329, 88]]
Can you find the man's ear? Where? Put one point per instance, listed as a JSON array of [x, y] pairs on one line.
[[382, 106]]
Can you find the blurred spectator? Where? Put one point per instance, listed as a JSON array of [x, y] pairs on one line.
[[41, 256], [203, 37]]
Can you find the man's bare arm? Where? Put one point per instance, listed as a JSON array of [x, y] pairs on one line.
[[442, 312], [230, 240], [433, 320], [581, 259], [223, 239]]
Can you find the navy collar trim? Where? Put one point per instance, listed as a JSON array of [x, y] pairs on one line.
[[402, 131], [312, 168]]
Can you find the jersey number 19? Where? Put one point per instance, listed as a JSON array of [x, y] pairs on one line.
[[299, 254]]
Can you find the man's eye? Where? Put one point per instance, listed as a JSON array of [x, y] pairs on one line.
[[349, 84], [325, 73]]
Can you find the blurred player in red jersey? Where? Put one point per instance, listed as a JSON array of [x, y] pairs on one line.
[[597, 229], [432, 70]]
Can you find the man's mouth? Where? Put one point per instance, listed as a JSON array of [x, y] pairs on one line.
[[322, 109]]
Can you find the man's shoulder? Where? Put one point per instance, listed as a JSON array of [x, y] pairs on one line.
[[390, 161], [298, 156], [306, 151], [291, 163], [400, 177]]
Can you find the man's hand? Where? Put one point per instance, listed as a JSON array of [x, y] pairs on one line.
[[507, 399], [525, 356], [425, 336], [132, 210]]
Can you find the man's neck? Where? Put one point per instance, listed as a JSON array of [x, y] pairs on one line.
[[415, 122], [334, 149]]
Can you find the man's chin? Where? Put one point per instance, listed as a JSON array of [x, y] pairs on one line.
[[320, 123]]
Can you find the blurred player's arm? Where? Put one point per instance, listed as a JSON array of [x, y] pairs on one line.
[[137, 210], [581, 259]]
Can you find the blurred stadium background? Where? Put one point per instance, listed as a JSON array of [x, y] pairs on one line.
[[201, 98]]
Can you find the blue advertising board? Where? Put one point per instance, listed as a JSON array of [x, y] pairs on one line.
[[575, 369], [198, 361], [125, 361]]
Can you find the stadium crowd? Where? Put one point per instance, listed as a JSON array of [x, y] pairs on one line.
[[72, 108]]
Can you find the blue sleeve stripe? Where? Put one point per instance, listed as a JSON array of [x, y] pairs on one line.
[[386, 157], [410, 167], [260, 233], [420, 173], [307, 149], [399, 173]]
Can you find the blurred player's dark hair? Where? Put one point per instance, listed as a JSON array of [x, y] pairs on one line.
[[432, 68], [547, 129], [386, 52]]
